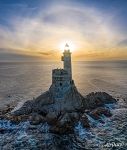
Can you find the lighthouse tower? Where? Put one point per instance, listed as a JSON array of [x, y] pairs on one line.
[[62, 78], [66, 58]]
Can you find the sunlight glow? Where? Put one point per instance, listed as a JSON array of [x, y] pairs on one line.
[[71, 46]]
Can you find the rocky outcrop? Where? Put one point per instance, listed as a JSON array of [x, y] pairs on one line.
[[7, 109], [97, 99], [73, 101], [65, 123], [84, 121], [96, 113], [36, 118], [45, 103], [62, 114], [36, 105]]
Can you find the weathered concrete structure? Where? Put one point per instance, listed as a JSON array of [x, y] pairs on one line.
[[62, 78]]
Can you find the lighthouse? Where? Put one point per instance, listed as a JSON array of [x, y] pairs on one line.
[[66, 58], [62, 78]]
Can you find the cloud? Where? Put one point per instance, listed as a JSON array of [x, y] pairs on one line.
[[123, 43], [40, 33]]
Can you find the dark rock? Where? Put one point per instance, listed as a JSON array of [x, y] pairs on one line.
[[65, 123], [64, 129], [25, 109], [84, 121], [97, 99], [7, 109], [72, 101], [36, 119], [65, 118], [51, 118], [5, 130], [68, 117], [2, 131], [62, 114], [74, 116], [42, 112], [44, 99], [96, 114], [15, 119]]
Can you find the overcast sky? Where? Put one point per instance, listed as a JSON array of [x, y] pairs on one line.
[[96, 28]]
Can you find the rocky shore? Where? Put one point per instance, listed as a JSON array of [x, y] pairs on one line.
[[62, 115]]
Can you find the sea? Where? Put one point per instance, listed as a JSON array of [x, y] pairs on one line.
[[22, 81]]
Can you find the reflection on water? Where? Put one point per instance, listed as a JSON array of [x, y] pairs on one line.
[[23, 81], [104, 76]]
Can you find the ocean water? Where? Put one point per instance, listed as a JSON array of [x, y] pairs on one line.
[[22, 81]]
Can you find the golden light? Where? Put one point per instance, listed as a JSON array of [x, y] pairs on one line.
[[70, 44]]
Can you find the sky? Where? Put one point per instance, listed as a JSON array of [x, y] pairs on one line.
[[94, 29]]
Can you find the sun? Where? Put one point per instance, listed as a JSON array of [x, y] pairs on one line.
[[70, 44]]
